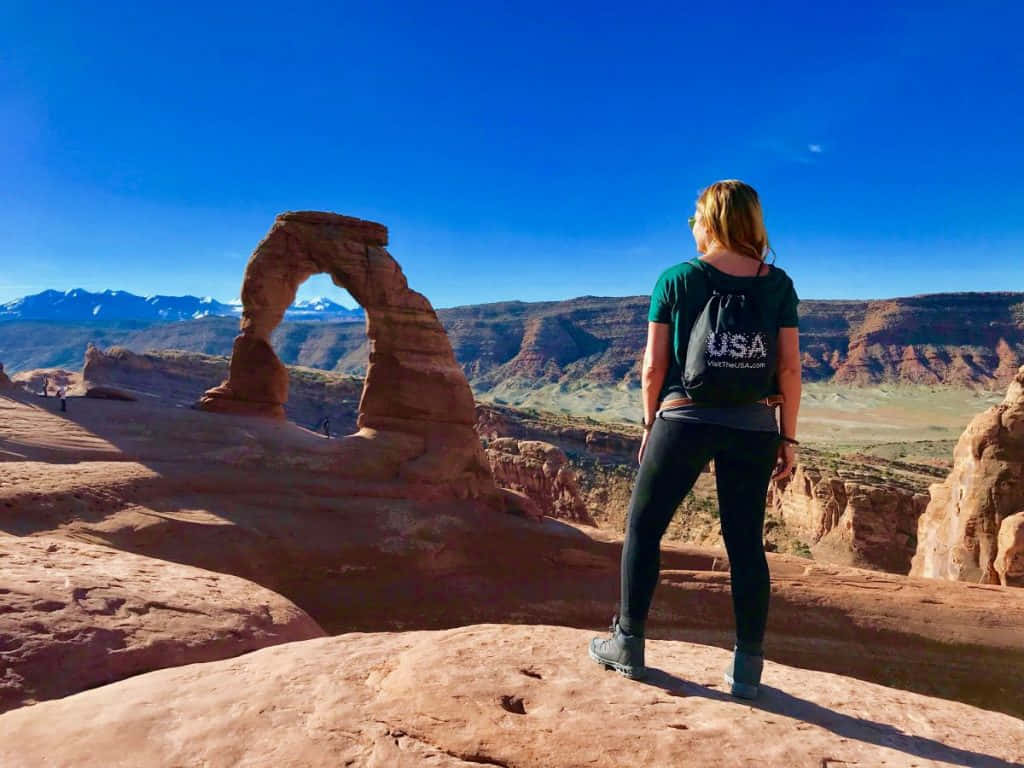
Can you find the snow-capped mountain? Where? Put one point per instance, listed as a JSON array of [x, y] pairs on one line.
[[78, 305], [320, 308]]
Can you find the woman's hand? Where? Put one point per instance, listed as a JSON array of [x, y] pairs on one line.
[[785, 460], [643, 444]]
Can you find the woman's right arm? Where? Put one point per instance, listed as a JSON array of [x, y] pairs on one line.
[[789, 375]]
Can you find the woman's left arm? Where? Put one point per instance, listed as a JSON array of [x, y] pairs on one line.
[[655, 368]]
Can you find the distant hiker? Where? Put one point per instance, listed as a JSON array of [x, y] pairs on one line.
[[46, 385], [722, 350], [62, 393], [325, 425]]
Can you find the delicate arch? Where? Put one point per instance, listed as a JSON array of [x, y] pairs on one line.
[[413, 384]]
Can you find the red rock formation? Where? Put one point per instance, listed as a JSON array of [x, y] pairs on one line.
[[851, 522], [5, 383], [414, 393], [957, 534], [1009, 562], [1009, 361], [542, 472], [497, 695], [76, 615]]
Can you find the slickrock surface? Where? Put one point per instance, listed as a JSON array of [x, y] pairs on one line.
[[497, 695], [958, 533], [414, 394], [542, 472], [76, 615], [179, 378], [264, 500]]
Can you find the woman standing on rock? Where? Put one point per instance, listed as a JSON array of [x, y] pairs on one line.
[[722, 350]]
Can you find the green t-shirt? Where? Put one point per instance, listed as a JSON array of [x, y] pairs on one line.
[[682, 291]]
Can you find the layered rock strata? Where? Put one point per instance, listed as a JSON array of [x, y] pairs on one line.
[[415, 394], [74, 616], [542, 472], [959, 533]]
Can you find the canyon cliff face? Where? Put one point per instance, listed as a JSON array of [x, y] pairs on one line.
[[542, 472], [972, 339], [960, 534], [969, 339], [851, 521], [576, 436]]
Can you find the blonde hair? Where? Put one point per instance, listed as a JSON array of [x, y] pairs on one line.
[[731, 213]]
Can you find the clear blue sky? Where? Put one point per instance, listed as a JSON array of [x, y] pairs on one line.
[[517, 150]]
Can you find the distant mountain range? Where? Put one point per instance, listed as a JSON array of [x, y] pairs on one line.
[[80, 306], [956, 339]]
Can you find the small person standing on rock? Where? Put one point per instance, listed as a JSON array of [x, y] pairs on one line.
[[46, 385], [62, 393], [722, 351]]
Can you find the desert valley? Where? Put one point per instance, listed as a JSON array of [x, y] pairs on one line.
[[193, 573]]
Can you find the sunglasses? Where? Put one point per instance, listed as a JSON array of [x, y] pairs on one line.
[[691, 221]]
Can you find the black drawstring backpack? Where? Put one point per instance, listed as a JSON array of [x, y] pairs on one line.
[[731, 356]]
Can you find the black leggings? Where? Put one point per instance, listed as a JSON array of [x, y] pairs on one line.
[[675, 454]]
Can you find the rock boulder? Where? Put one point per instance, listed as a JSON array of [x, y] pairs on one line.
[[1010, 553]]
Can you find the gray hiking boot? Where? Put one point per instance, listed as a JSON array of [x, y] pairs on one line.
[[621, 652], [744, 674]]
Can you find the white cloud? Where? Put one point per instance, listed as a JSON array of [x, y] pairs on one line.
[[815, 148]]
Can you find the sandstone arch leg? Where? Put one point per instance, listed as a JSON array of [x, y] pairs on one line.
[[413, 386]]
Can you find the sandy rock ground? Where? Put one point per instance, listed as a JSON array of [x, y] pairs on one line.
[[76, 615], [496, 695]]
